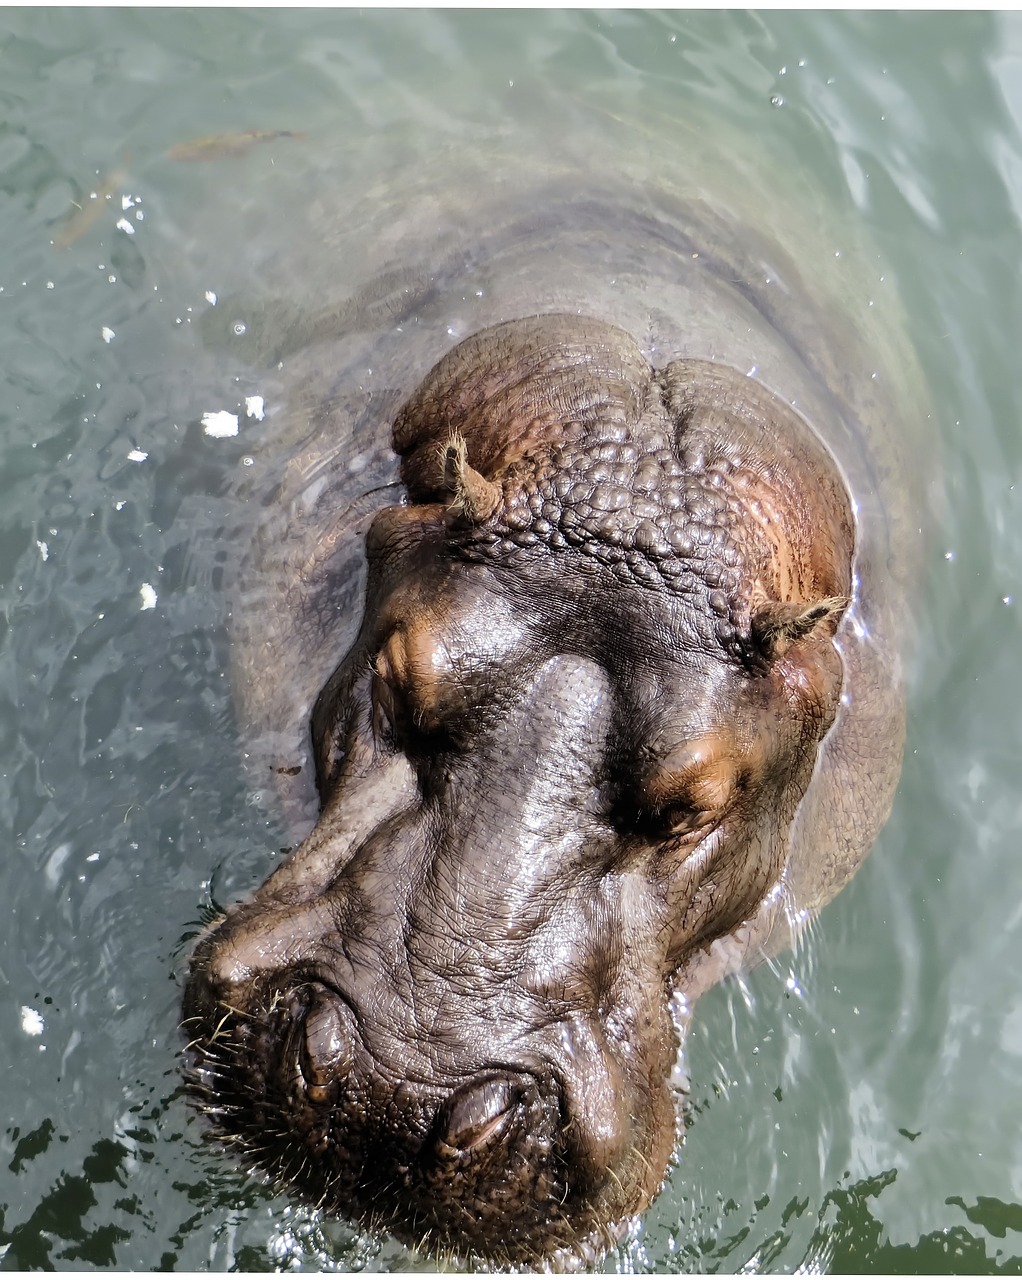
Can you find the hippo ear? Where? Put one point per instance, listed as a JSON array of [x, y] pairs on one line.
[[512, 392], [776, 627], [473, 496]]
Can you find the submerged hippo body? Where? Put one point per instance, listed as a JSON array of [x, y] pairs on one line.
[[587, 570]]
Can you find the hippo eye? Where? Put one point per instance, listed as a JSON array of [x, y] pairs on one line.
[[682, 820], [412, 710], [694, 786]]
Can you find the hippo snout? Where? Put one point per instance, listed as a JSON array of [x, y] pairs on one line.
[[289, 1078]]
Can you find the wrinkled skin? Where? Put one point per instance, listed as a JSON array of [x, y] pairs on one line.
[[622, 711]]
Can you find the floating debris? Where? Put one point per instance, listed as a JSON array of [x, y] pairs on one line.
[[220, 146], [86, 215], [254, 407], [148, 594]]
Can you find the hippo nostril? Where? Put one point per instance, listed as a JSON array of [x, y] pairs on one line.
[[478, 1112], [326, 1054]]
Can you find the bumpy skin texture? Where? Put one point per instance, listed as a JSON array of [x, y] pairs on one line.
[[562, 761]]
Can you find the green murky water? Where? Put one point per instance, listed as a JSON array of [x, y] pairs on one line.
[[857, 1109]]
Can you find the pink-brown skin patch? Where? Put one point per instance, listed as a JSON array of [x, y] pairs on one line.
[[562, 758]]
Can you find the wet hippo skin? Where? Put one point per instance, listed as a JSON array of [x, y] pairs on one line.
[[621, 712]]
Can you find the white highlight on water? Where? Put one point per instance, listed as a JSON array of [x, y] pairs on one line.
[[220, 425], [31, 1022]]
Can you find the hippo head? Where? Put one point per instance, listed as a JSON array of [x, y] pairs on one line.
[[562, 757]]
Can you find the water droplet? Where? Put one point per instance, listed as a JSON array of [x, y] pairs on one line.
[[776, 100], [240, 327]]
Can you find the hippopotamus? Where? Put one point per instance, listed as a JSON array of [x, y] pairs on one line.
[[570, 627]]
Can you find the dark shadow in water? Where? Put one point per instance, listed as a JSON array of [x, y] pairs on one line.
[[847, 1238], [850, 1239], [57, 1231], [60, 1214]]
